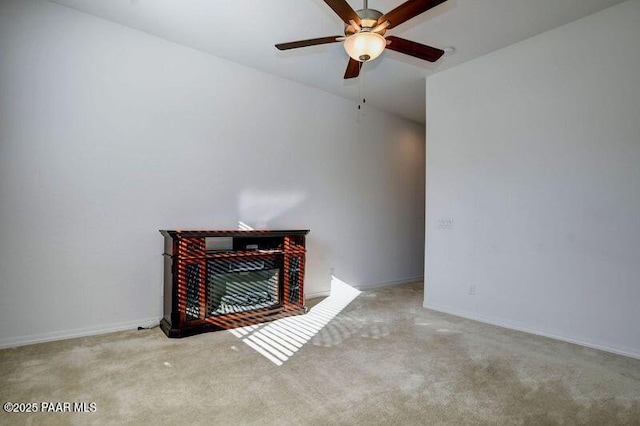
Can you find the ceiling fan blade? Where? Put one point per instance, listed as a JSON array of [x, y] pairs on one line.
[[310, 42], [343, 10], [353, 69], [414, 49], [408, 10]]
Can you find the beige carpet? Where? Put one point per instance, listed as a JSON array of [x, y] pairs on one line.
[[382, 360]]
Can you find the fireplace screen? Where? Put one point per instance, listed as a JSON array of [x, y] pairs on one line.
[[239, 286]]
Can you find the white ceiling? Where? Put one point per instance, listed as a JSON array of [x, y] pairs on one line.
[[245, 31]]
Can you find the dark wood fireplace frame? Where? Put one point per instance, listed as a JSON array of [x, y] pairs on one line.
[[187, 266]]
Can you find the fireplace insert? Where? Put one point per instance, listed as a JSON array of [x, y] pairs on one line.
[[239, 286]]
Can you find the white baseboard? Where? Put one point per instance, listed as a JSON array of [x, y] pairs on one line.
[[317, 294], [500, 322], [390, 283], [368, 287], [13, 342]]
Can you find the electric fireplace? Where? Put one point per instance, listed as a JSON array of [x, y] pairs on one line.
[[225, 279]]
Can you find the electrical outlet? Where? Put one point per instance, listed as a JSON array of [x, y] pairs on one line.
[[446, 223], [472, 290]]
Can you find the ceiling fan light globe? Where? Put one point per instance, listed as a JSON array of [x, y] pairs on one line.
[[364, 46]]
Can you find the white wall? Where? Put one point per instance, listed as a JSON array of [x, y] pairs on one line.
[[109, 134], [534, 152]]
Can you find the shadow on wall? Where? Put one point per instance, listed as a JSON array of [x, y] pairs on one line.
[[281, 339]]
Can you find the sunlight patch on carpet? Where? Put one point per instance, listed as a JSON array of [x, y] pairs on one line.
[[281, 339]]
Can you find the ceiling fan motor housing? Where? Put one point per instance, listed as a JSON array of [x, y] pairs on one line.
[[368, 20]]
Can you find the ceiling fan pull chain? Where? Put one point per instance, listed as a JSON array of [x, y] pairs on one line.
[[364, 86], [361, 87]]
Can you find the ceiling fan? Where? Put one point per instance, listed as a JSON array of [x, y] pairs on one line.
[[364, 33]]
